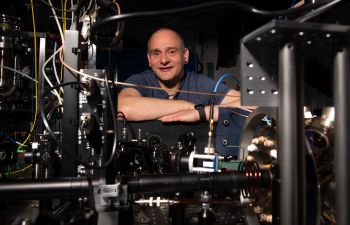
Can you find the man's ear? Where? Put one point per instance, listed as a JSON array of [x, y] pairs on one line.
[[149, 61], [186, 55]]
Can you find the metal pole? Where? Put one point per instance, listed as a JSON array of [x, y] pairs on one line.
[[193, 181], [37, 169], [70, 120], [342, 135], [44, 188], [291, 132]]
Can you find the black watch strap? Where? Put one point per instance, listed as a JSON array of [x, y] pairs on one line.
[[201, 110]]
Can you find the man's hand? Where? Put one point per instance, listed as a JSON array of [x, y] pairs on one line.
[[190, 115]]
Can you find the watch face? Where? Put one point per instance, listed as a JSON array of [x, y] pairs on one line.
[[199, 106]]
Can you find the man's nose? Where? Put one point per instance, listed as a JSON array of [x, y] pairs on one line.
[[164, 59]]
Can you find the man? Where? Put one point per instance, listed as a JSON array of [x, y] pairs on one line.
[[167, 57]]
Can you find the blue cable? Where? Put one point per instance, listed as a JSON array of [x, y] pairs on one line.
[[9, 137], [267, 120], [212, 99], [223, 77], [293, 2]]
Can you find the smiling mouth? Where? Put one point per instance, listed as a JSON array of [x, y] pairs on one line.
[[165, 69]]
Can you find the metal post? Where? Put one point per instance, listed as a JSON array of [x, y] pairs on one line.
[[342, 135], [70, 105], [37, 169], [291, 132]]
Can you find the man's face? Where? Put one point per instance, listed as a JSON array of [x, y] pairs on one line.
[[167, 56]]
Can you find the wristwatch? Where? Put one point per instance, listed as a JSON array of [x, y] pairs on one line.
[[200, 108]]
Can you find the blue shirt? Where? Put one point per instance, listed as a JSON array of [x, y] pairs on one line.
[[190, 82]]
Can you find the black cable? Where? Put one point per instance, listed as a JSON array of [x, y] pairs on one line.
[[198, 8], [64, 84], [123, 116], [115, 39], [46, 123], [69, 154], [49, 114], [125, 125], [53, 136], [115, 137], [42, 113]]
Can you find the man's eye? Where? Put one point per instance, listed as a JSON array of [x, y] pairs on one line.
[[155, 53]]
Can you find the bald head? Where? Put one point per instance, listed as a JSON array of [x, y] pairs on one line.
[[166, 32]]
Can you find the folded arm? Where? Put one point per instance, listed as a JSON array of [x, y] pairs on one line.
[[137, 108], [191, 115]]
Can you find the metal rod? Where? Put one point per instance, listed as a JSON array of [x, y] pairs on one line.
[[70, 104], [43, 188], [342, 135], [193, 181], [291, 133]]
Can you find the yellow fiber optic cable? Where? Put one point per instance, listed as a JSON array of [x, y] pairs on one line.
[[35, 77]]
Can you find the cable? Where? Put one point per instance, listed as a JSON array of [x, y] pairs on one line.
[[65, 84], [35, 77], [86, 11], [135, 85], [121, 113], [54, 68], [212, 99], [11, 139], [125, 124], [239, 114], [74, 72], [199, 8], [72, 14], [223, 77], [318, 11], [211, 112], [20, 170], [65, 10], [46, 77], [113, 35], [49, 114], [19, 72], [115, 137], [46, 124], [69, 154], [57, 22], [292, 6], [64, 16], [118, 32]]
